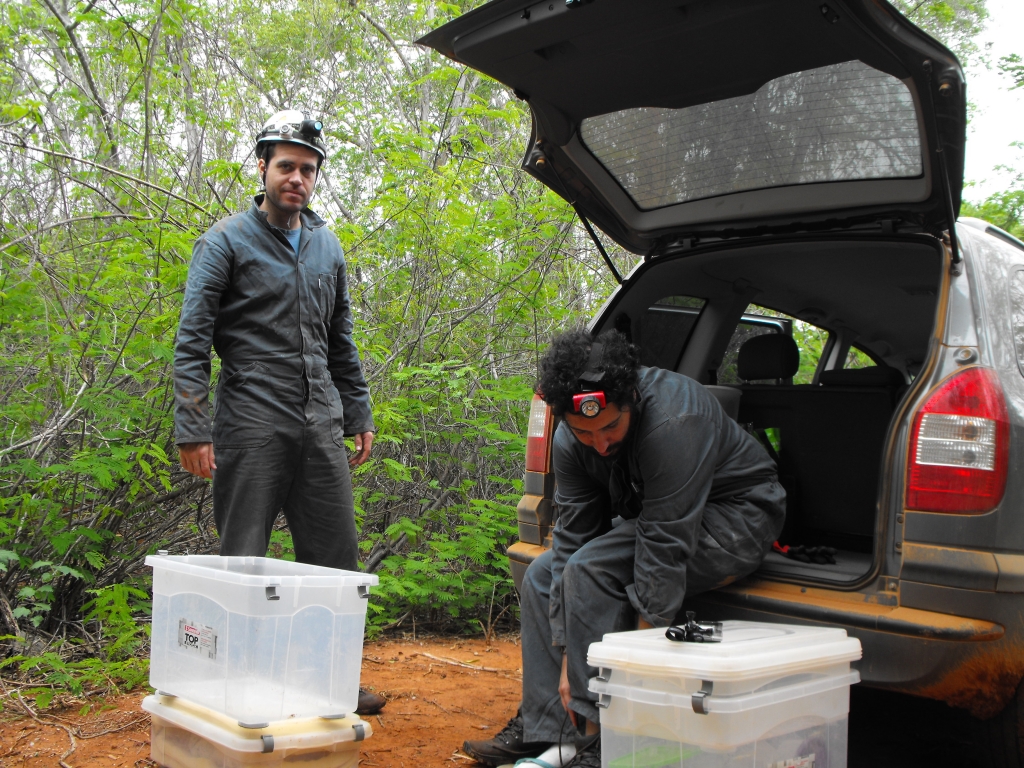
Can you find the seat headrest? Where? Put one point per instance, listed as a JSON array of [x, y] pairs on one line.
[[771, 356], [873, 376], [728, 398]]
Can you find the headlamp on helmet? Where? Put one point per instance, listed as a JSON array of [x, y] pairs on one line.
[[293, 127]]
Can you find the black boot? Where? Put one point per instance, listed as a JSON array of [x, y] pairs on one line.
[[507, 746], [588, 752], [370, 703]]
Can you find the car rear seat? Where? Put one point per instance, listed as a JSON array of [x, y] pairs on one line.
[[728, 398], [831, 440]]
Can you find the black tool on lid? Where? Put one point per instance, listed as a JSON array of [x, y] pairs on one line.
[[695, 632]]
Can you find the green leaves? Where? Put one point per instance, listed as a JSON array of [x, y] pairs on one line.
[[1013, 67], [6, 556], [954, 22], [1004, 209], [116, 609], [461, 572]]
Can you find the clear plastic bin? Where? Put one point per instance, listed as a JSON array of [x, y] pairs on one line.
[[186, 735], [257, 639], [767, 696], [812, 744]]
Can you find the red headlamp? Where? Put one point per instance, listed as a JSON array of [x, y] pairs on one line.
[[588, 403]]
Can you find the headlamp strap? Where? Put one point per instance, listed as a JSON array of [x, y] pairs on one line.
[[590, 401], [591, 377]]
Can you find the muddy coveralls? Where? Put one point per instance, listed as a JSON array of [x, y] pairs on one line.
[[290, 387], [700, 505]]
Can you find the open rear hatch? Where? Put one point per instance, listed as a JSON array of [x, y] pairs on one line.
[[667, 120]]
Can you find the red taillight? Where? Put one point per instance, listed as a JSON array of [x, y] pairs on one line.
[[960, 446], [538, 436]]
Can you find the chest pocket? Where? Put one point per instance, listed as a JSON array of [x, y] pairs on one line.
[[327, 285]]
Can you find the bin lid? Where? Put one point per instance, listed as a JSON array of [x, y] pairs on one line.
[[748, 649], [261, 571], [291, 734], [770, 697]]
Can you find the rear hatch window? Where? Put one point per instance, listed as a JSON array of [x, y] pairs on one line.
[[669, 122], [841, 122]]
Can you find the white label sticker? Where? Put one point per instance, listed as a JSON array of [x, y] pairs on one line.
[[197, 637], [807, 761]]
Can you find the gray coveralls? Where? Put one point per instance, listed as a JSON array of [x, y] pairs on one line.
[[291, 385], [701, 506]]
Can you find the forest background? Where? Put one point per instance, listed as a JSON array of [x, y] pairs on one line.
[[126, 129]]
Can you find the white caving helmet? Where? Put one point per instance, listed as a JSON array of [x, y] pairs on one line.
[[293, 127]]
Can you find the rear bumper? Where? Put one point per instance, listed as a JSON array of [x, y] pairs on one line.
[[821, 606], [972, 663], [520, 555], [961, 646]]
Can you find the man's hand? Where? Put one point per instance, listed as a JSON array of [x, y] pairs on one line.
[[197, 458], [363, 441], [563, 689], [641, 624]]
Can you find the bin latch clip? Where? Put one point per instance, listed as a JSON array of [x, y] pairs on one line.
[[272, 593], [360, 730], [604, 700], [698, 699], [364, 591], [268, 743]]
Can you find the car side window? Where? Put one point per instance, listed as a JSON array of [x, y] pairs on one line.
[[758, 320], [1017, 304], [665, 328], [747, 329], [857, 359]]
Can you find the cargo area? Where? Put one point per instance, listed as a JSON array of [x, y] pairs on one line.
[[849, 325]]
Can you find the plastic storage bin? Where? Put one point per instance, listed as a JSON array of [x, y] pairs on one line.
[[767, 696], [186, 735], [257, 639]]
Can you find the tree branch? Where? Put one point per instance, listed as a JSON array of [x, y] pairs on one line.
[[386, 36], [108, 169], [89, 7], [334, 197], [105, 117], [73, 220]]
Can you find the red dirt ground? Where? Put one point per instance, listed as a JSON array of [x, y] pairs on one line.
[[440, 692]]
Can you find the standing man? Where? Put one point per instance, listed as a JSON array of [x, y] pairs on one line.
[[660, 496], [267, 290]]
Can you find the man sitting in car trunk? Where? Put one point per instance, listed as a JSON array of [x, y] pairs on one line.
[[660, 496]]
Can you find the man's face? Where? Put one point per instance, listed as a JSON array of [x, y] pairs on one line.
[[606, 432], [290, 176]]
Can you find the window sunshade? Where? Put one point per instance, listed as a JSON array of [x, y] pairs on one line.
[[842, 122]]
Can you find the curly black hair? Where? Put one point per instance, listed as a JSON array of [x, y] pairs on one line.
[[566, 360]]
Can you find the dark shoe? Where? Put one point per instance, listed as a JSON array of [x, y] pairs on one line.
[[507, 746], [588, 752], [370, 703]]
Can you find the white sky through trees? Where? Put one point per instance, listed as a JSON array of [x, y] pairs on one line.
[[998, 116]]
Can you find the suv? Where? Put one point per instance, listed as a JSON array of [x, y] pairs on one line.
[[792, 169]]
